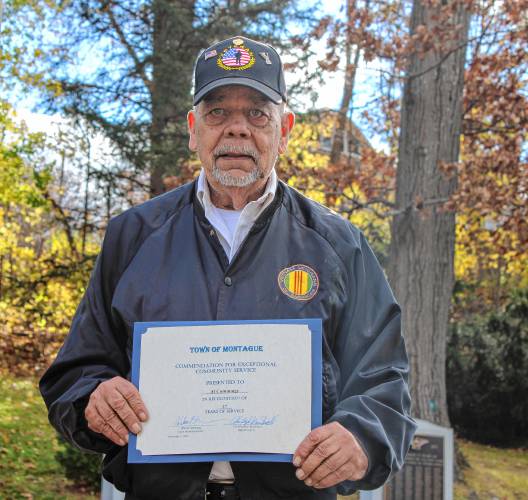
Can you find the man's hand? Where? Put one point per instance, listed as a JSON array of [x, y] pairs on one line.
[[114, 408], [328, 455]]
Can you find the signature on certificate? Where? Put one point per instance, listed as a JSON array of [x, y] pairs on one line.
[[237, 421]]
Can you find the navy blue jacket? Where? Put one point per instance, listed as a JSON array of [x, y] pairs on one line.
[[162, 261]]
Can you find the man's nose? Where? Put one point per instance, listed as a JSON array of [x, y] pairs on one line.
[[237, 126]]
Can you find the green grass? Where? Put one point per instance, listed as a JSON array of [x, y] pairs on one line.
[[28, 443], [28, 469], [494, 473]]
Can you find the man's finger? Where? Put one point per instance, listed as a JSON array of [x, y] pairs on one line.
[[123, 410], [112, 420], [336, 477], [323, 451], [331, 465], [114, 409], [97, 424], [309, 443], [133, 398]]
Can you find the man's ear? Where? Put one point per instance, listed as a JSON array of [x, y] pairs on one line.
[[191, 125], [287, 123]]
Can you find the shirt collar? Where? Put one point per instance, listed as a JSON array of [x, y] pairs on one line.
[[204, 195]]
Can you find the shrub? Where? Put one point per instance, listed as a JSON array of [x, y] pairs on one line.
[[84, 469], [487, 375]]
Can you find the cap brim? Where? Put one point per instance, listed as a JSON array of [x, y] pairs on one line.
[[245, 82]]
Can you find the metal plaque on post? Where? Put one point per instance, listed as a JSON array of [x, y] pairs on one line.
[[428, 470]]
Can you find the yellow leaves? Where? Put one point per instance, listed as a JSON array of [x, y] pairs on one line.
[[59, 243], [485, 251], [55, 88], [314, 194], [8, 238], [41, 279], [17, 176], [306, 145]]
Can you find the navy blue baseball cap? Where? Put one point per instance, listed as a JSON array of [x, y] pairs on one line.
[[240, 61]]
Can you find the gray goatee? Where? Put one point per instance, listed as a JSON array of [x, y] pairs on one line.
[[228, 180]]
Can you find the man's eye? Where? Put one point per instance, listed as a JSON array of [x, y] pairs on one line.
[[258, 117], [216, 116]]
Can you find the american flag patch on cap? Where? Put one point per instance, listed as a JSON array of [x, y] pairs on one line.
[[210, 53], [236, 57]]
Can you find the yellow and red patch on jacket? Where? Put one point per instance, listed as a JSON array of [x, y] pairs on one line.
[[299, 282]]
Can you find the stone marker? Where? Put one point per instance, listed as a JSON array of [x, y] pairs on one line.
[[428, 470]]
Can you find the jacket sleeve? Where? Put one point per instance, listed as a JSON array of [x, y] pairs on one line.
[[94, 351], [373, 399]]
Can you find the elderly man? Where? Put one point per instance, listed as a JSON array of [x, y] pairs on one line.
[[225, 247]]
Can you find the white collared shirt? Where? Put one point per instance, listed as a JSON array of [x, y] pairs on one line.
[[232, 227]]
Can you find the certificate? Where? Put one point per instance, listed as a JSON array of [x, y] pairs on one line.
[[226, 390]]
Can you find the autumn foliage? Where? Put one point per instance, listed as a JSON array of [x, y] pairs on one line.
[[491, 199], [47, 249], [43, 272]]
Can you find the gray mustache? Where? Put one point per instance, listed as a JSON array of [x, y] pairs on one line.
[[238, 150]]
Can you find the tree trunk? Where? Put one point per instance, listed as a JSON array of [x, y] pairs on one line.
[[86, 205], [422, 233], [348, 89], [174, 50]]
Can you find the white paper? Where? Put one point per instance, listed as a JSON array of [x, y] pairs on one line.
[[207, 392]]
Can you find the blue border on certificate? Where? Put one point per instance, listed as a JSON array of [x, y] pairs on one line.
[[316, 329]]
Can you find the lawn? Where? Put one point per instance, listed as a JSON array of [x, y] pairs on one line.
[[494, 473], [28, 469]]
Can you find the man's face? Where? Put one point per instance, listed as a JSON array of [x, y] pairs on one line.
[[238, 134]]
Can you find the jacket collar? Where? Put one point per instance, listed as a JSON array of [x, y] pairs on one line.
[[262, 219]]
